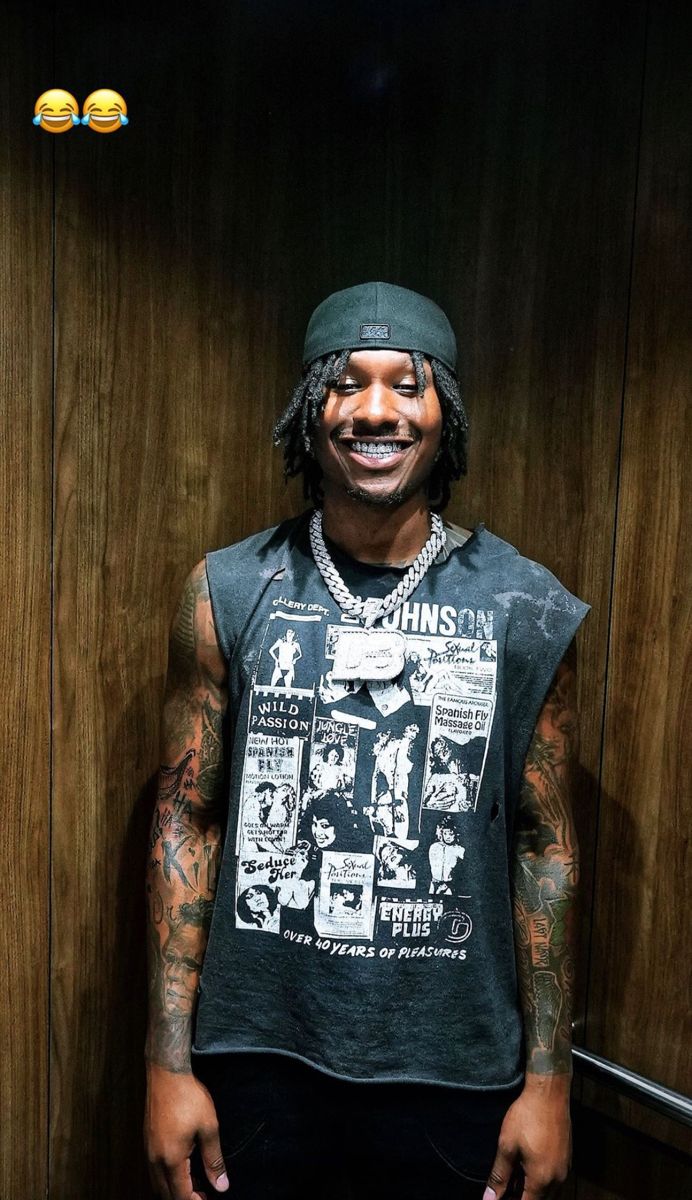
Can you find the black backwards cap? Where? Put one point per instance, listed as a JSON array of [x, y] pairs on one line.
[[380, 316]]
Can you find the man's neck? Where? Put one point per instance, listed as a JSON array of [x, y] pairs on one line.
[[375, 533]]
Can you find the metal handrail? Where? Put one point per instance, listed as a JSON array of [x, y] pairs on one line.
[[654, 1095]]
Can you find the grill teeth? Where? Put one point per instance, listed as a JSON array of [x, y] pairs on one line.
[[375, 447]]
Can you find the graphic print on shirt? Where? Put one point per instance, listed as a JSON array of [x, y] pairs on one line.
[[345, 905], [333, 753], [285, 707], [268, 881], [445, 858], [388, 810], [358, 796], [328, 815], [457, 747], [281, 666], [403, 918], [414, 617], [450, 666], [396, 864], [331, 691], [269, 793]]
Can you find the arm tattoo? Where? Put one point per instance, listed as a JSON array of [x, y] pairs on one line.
[[185, 841], [546, 873]]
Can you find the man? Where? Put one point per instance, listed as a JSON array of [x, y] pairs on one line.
[[372, 1013]]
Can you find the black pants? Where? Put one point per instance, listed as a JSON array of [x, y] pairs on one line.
[[290, 1132]]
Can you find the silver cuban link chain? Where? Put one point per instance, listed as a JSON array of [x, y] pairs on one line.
[[373, 608]]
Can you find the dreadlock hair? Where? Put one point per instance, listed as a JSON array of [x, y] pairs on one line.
[[298, 422]]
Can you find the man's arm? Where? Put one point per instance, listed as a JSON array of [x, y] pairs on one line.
[[184, 852], [536, 1130]]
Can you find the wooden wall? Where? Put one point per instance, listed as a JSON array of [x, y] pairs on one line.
[[528, 165], [26, 283]]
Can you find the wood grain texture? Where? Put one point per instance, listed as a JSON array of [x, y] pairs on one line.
[[606, 1104], [25, 586], [617, 1163], [639, 1001]]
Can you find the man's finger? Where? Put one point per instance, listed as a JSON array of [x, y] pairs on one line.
[[210, 1149], [180, 1181], [534, 1191], [159, 1185], [500, 1174]]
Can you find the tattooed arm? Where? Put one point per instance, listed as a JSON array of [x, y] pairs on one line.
[[184, 851], [536, 1130]]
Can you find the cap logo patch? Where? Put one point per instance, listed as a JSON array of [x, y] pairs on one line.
[[371, 333]]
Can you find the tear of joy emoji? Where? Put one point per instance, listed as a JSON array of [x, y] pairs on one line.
[[104, 111], [56, 111]]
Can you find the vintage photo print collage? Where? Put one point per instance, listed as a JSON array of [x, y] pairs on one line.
[[358, 798]]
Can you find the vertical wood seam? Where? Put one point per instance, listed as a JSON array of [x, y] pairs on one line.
[[618, 473], [51, 656]]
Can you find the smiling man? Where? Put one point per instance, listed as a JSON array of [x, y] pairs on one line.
[[416, 1043]]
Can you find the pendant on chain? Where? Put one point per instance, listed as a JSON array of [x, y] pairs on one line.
[[368, 654]]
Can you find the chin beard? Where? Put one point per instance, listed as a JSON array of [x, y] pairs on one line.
[[382, 500]]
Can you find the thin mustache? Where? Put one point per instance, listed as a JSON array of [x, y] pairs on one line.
[[368, 435]]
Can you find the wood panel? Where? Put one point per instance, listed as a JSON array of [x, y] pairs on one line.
[[639, 1000], [275, 153], [26, 156], [165, 353], [618, 1163]]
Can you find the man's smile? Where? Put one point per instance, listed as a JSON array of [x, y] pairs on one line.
[[375, 453]]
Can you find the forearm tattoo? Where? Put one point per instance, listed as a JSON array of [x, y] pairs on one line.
[[185, 841], [546, 873]]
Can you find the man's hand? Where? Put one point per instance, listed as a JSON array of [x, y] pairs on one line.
[[179, 1111], [536, 1136]]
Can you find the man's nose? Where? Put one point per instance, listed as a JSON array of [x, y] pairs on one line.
[[376, 406]]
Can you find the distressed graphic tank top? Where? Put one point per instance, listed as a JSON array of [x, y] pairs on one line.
[[363, 915]]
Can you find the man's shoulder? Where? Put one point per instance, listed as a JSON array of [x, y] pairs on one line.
[[488, 550], [262, 548], [526, 589]]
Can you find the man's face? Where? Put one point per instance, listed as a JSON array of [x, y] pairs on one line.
[[377, 438]]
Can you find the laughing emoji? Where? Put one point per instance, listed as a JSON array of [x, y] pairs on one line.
[[56, 111], [104, 111]]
